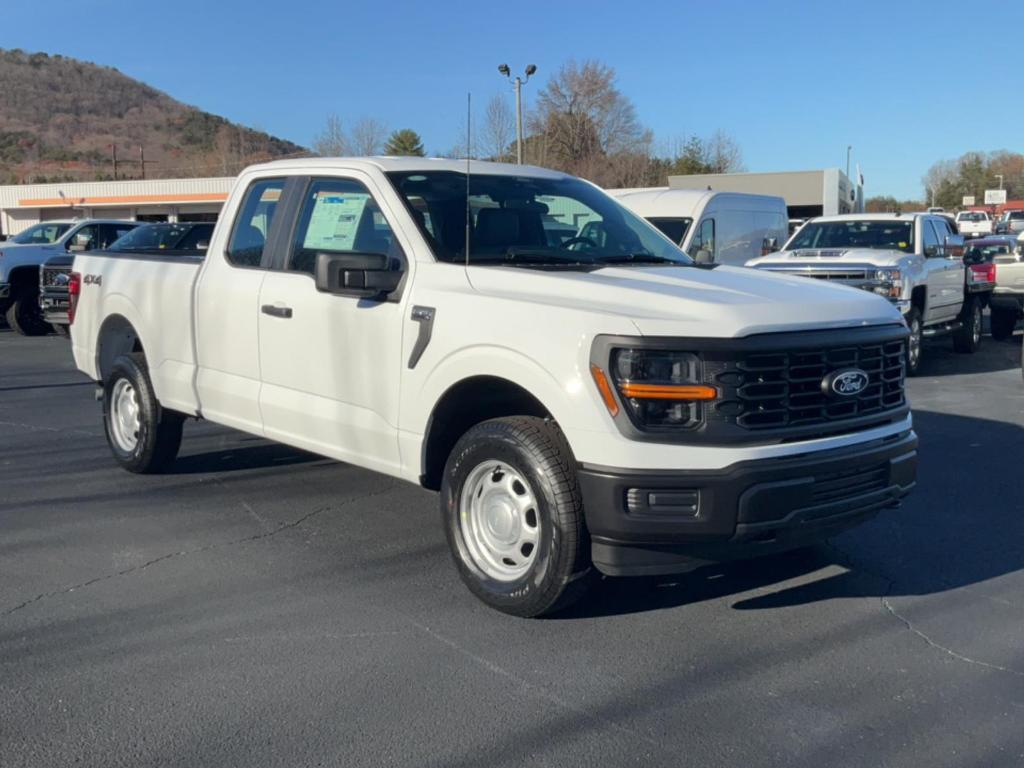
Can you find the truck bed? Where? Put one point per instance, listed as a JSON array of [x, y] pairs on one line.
[[150, 291]]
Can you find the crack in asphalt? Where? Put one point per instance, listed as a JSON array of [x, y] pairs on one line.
[[197, 550], [890, 609]]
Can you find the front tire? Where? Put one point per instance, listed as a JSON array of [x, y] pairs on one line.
[[1004, 322], [25, 317], [143, 436], [967, 339], [913, 356], [513, 516]]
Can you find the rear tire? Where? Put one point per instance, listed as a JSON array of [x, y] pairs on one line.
[[1004, 322], [913, 356], [25, 317], [967, 339], [143, 435], [513, 516]]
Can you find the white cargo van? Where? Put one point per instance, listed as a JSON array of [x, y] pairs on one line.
[[720, 227]]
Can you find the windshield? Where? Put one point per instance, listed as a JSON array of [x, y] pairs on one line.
[[164, 236], [887, 235], [674, 229], [971, 216], [526, 220], [1015, 215], [41, 234]]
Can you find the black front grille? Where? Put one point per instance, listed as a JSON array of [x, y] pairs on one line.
[[773, 390], [49, 276]]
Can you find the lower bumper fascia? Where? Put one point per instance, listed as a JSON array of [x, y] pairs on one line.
[[749, 509]]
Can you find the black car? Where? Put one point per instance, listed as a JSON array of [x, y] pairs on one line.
[[180, 238]]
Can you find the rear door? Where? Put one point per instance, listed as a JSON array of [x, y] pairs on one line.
[[331, 364], [227, 312]]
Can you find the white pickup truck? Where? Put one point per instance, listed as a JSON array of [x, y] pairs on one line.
[[579, 404], [915, 260]]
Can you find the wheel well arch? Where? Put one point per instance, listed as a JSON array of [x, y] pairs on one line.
[[117, 337], [919, 298], [464, 405], [22, 275]]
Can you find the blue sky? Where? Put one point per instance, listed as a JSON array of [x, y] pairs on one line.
[[793, 82]]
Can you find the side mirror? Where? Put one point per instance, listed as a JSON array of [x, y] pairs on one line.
[[703, 256], [931, 251], [954, 246], [364, 275], [769, 245]]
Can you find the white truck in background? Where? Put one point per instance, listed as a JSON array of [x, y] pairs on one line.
[[914, 260], [974, 223], [584, 403], [712, 227]]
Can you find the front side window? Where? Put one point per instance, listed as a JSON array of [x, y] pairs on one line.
[[855, 233], [704, 239], [252, 225], [528, 221], [84, 239], [338, 216], [931, 239], [41, 234]]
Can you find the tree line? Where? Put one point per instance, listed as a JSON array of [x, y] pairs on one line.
[[581, 123], [947, 182]]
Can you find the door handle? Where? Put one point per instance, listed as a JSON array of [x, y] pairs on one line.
[[270, 309]]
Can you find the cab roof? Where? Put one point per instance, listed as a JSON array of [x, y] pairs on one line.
[[388, 164]]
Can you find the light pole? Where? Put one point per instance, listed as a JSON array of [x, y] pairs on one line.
[[848, 149], [1000, 177], [518, 82]]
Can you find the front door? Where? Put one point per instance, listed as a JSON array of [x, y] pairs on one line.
[[331, 364]]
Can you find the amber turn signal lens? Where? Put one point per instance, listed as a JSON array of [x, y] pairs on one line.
[[605, 389], [668, 391]]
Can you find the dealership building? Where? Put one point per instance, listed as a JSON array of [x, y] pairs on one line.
[[22, 205], [826, 192]]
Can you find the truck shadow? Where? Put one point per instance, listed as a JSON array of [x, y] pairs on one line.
[[262, 456], [962, 525], [939, 359]]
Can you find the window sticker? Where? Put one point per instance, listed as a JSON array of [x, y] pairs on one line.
[[334, 221]]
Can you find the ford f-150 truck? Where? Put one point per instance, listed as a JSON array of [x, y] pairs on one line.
[[23, 255], [594, 403], [914, 260]]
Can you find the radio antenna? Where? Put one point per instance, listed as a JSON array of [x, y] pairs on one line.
[[469, 214]]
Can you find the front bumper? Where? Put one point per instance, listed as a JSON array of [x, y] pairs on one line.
[[670, 522]]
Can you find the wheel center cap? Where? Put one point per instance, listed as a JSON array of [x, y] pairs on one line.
[[500, 518]]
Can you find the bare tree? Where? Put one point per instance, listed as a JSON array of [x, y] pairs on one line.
[[367, 137], [499, 129], [722, 153], [584, 117], [332, 142]]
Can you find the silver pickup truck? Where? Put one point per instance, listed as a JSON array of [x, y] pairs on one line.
[[915, 260], [1006, 252]]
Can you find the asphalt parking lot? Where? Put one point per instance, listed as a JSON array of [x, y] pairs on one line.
[[264, 607]]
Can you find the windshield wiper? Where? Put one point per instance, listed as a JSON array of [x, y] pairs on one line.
[[640, 258]]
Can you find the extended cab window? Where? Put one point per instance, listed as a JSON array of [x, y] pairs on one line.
[[249, 235], [338, 216]]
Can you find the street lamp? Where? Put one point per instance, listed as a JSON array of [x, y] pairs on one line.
[[1000, 177], [849, 148], [518, 82]]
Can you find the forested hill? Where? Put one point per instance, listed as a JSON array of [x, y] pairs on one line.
[[59, 118]]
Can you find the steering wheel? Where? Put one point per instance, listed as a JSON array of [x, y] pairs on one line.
[[579, 240]]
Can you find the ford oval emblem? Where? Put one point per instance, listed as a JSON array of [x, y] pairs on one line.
[[848, 382]]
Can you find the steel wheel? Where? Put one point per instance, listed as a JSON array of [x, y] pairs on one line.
[[124, 415], [500, 525]]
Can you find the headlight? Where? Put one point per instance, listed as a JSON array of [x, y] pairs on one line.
[[888, 282], [661, 389]]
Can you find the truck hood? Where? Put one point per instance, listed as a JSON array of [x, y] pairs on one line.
[[723, 302], [876, 257]]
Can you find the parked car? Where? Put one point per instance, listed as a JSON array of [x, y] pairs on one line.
[[23, 255], [974, 223], [580, 404], [175, 239], [1010, 223], [712, 227], [1006, 252], [914, 260]]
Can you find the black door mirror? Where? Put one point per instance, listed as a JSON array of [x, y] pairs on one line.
[[364, 275]]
